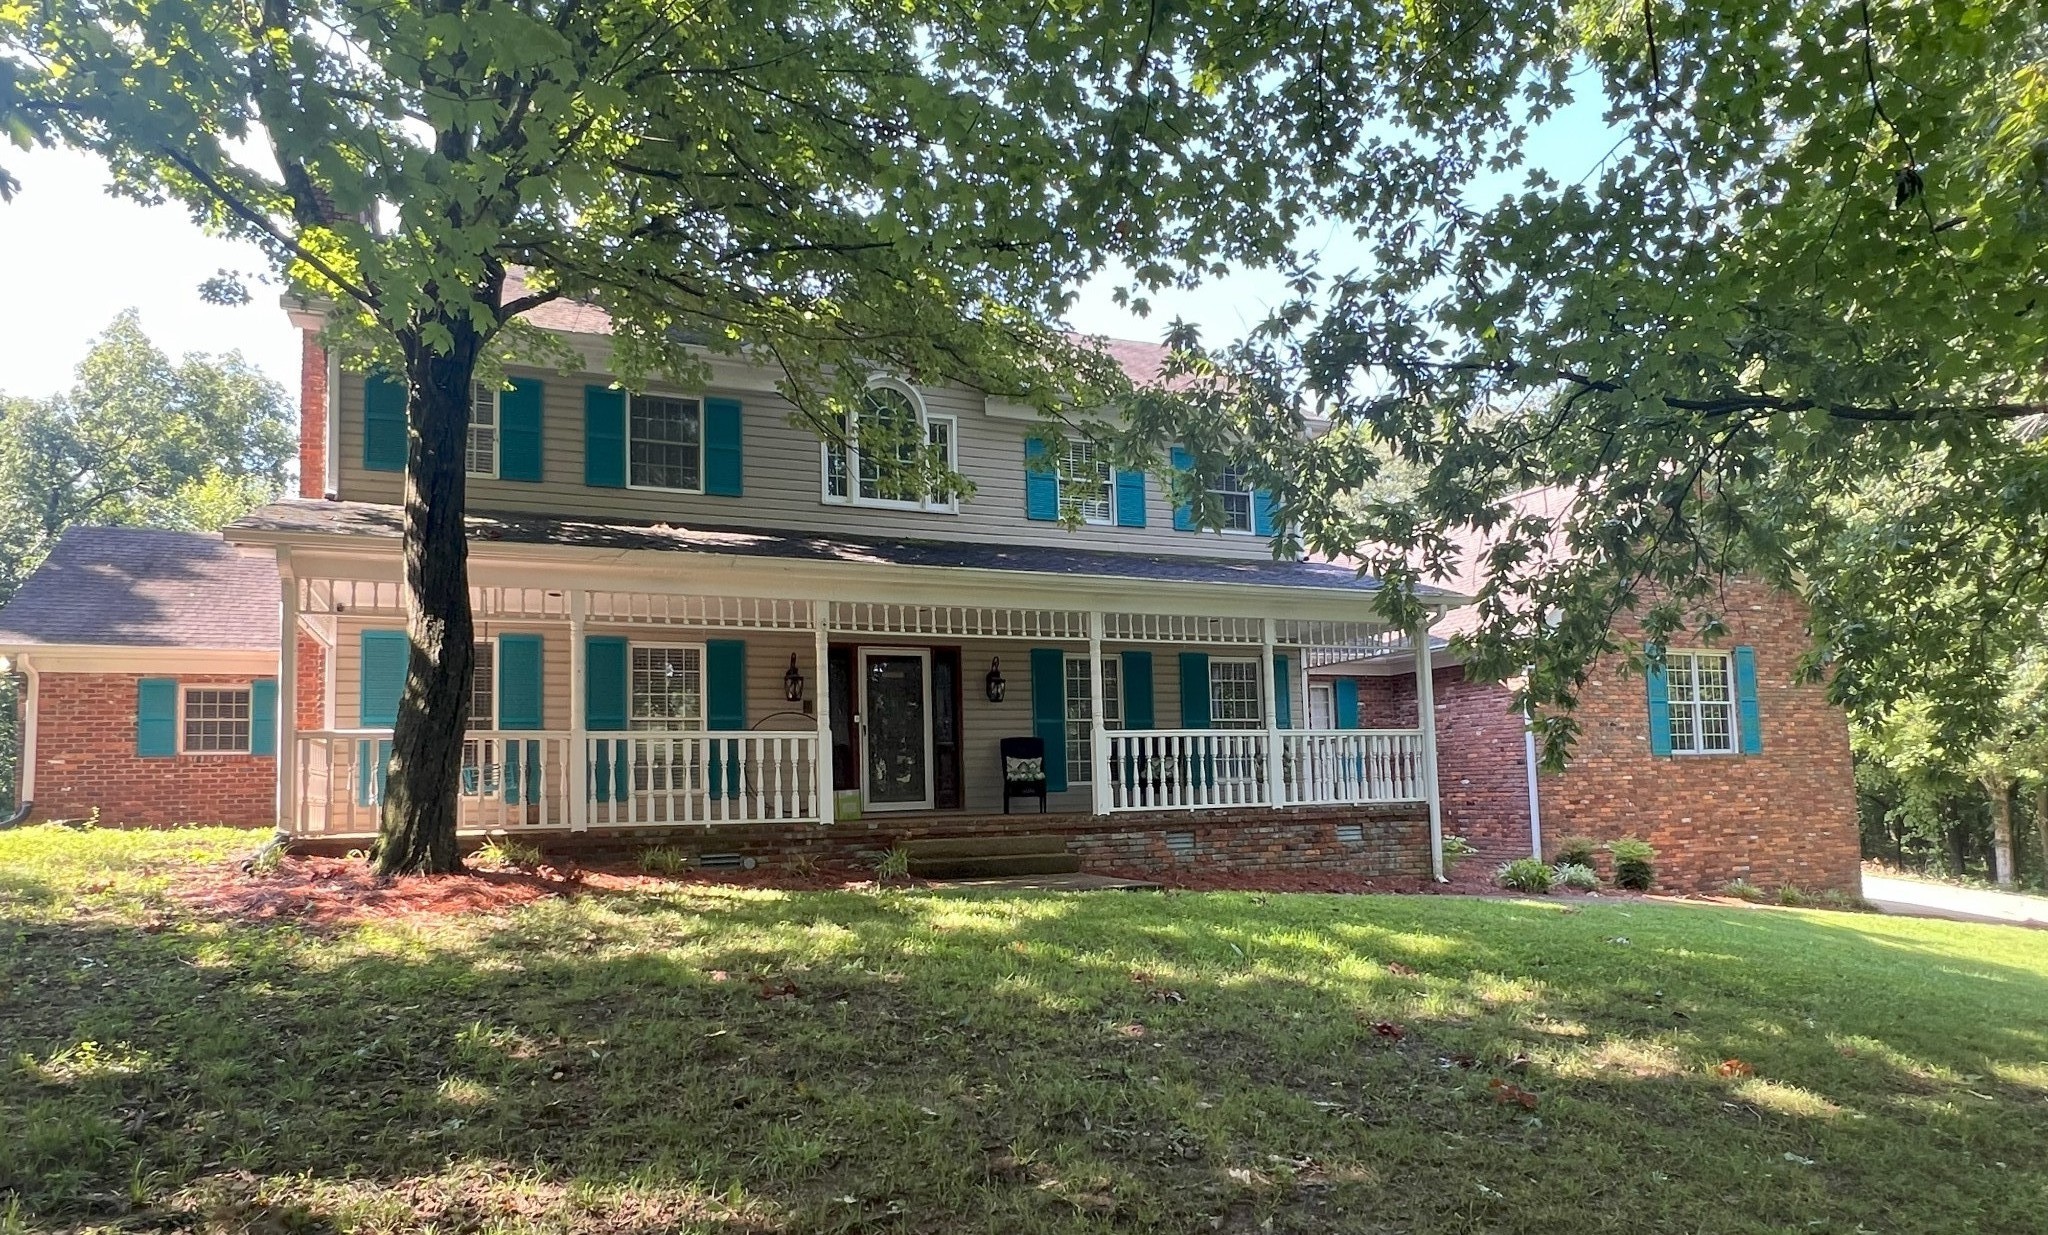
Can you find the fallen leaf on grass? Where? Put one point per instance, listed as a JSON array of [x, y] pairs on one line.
[[1734, 1067], [1132, 1030], [1165, 994], [1388, 1030], [1506, 1092], [1401, 971], [773, 991]]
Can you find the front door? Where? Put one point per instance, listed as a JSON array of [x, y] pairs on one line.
[[896, 728]]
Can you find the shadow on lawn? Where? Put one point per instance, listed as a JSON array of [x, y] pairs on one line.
[[717, 1061]]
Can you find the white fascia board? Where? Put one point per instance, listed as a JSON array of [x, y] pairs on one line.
[[100, 658]]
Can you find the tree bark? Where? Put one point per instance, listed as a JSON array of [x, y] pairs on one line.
[[417, 831], [2000, 790]]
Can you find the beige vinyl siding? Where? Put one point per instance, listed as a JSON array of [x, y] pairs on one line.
[[783, 472]]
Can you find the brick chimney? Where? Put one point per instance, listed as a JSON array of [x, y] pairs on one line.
[[312, 415]]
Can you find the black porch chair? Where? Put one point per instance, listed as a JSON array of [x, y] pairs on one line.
[[1023, 771]]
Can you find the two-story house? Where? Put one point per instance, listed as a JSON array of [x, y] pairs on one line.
[[695, 618]]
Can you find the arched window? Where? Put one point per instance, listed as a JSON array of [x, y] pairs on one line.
[[890, 451]]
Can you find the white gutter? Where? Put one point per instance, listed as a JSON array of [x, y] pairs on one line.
[[25, 772]]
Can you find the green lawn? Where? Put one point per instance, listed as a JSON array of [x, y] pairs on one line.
[[712, 1059]]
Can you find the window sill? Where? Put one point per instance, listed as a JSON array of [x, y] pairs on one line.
[[876, 503], [696, 492]]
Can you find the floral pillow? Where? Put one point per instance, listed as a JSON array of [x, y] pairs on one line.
[[1017, 769]]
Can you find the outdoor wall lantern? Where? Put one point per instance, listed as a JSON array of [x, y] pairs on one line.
[[994, 683], [793, 682]]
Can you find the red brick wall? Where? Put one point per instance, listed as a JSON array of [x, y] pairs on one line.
[[85, 758], [312, 692], [1387, 702], [312, 416], [1481, 765], [1785, 816]]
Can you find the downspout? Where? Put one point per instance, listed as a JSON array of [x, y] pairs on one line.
[[25, 767], [1529, 772]]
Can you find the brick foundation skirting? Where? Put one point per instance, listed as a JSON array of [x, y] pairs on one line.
[[1391, 841]]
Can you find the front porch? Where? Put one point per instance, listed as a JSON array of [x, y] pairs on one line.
[[614, 708]]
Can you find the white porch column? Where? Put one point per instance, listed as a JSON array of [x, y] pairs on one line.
[[1425, 717], [1270, 706], [821, 660], [579, 720], [1098, 742], [287, 760]]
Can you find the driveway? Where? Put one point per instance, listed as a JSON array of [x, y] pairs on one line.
[[1915, 898]]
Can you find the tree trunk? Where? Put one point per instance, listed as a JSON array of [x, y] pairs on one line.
[[2041, 826], [417, 830], [2000, 790]]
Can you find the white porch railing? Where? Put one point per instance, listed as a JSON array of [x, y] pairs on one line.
[[1165, 769], [518, 779], [510, 779], [1332, 766], [702, 778], [1206, 769]]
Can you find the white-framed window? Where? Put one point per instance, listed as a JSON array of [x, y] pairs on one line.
[[214, 720], [479, 762], [1234, 493], [666, 687], [665, 443], [1701, 688], [1086, 491], [886, 448], [480, 454], [1234, 695], [1080, 724]]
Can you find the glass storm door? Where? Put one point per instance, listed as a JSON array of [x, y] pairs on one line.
[[896, 729]]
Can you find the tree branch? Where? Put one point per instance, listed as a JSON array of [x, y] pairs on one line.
[[257, 219]]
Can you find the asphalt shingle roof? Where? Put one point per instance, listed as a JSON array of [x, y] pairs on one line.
[[307, 517], [145, 587]]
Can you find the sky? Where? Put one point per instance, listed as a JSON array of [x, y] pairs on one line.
[[73, 256]]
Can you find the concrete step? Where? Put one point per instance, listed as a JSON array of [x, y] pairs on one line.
[[991, 866], [983, 846]]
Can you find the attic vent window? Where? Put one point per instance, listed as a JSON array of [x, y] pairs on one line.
[[1181, 844]]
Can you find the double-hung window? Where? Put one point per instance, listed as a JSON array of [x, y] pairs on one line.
[[665, 443], [216, 720], [1085, 490], [1700, 687], [891, 452], [480, 758], [665, 694], [1234, 494], [1080, 724], [480, 454], [1234, 695]]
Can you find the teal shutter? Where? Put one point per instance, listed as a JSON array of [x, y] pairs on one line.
[[604, 437], [1137, 690], [1659, 689], [519, 429], [1752, 736], [605, 711], [263, 716], [1049, 712], [1183, 515], [156, 718], [1262, 513], [520, 689], [1344, 702], [1194, 690], [724, 462], [725, 707], [381, 663], [1041, 484], [383, 424], [1130, 498], [1283, 694]]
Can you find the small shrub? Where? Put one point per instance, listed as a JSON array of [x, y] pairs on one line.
[[894, 864], [1847, 902], [663, 860], [1578, 876], [1524, 875], [1743, 890], [1634, 863], [1577, 851], [1790, 894], [1456, 847], [506, 851]]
